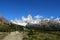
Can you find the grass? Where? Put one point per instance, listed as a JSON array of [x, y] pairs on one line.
[[3, 33], [32, 34]]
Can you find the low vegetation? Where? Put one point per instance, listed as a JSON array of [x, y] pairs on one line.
[[10, 28], [34, 34], [46, 31]]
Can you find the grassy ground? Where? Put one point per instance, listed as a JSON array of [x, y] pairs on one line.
[[41, 35], [32, 34], [1, 33]]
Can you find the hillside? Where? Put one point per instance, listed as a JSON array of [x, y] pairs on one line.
[[7, 26], [39, 22], [42, 31], [36, 34], [3, 20]]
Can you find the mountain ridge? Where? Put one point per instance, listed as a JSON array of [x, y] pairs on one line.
[[44, 24]]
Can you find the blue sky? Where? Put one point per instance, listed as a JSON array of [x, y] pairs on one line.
[[11, 9]]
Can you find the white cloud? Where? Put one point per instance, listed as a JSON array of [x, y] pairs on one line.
[[19, 22], [57, 18], [29, 19], [23, 18], [38, 17]]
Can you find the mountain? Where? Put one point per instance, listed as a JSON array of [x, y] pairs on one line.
[[34, 20], [24, 21], [39, 22], [3, 20], [46, 25], [8, 26]]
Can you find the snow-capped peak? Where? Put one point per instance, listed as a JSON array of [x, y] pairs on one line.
[[35, 20]]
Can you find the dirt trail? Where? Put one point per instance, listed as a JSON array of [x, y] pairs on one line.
[[14, 36]]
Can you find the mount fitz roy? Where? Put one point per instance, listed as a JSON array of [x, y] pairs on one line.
[[39, 20]]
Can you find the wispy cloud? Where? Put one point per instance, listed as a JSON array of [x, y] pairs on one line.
[[34, 20]]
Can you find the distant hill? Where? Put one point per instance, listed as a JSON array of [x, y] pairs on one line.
[[51, 25], [43, 25], [7, 26], [3, 20]]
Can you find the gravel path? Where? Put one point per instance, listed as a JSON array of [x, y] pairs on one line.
[[14, 36]]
